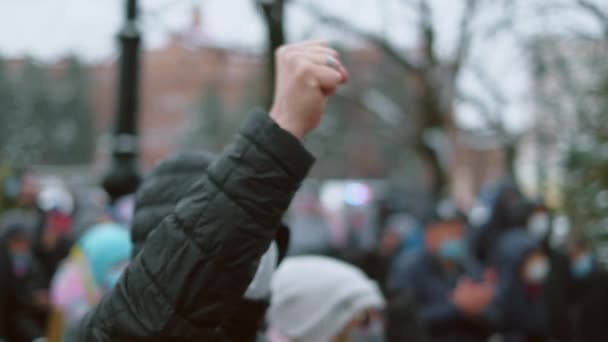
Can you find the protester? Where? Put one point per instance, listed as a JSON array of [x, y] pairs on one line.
[[189, 278], [53, 237], [398, 240], [24, 295], [523, 268], [309, 229], [588, 306], [407, 235], [7, 298], [317, 298], [508, 209], [170, 181], [453, 299], [559, 281], [91, 270]]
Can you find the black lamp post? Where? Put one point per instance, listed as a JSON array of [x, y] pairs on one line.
[[273, 11], [123, 176]]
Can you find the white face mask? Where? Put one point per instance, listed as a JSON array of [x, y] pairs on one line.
[[537, 271], [538, 226], [259, 288]]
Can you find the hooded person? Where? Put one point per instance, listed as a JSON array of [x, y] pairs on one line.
[[91, 270], [523, 268], [320, 299], [170, 181], [197, 264], [557, 287], [24, 296], [452, 296], [588, 302], [507, 209]]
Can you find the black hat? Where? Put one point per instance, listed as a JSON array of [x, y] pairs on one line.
[[445, 211]]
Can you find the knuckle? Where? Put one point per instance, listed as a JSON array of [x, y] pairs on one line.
[[302, 69]]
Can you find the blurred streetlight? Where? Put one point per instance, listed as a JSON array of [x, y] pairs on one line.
[[123, 176]]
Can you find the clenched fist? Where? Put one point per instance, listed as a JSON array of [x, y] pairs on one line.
[[307, 75]]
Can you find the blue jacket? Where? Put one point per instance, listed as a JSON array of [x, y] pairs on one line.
[[432, 288], [523, 308]]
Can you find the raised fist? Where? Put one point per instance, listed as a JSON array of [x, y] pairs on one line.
[[307, 75]]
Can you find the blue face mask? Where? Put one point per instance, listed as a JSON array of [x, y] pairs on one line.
[[452, 250], [582, 267]]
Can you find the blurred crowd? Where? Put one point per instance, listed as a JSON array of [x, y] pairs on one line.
[[508, 270]]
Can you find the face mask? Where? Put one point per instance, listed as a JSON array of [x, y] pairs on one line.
[[452, 250], [538, 226], [537, 271], [582, 267], [21, 263], [373, 333]]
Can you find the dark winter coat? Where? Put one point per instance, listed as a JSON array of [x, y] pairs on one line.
[[508, 209], [189, 278], [523, 309], [589, 307], [20, 319], [432, 289]]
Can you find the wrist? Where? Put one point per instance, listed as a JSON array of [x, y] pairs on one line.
[[282, 120]]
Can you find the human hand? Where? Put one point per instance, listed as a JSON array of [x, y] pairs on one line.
[[472, 298], [308, 74]]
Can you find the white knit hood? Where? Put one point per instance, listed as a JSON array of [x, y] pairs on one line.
[[314, 298]]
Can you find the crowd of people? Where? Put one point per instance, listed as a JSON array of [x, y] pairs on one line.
[[202, 251]]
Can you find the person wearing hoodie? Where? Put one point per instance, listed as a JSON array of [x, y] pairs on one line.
[[316, 298], [559, 280], [453, 297], [189, 278], [588, 303], [507, 209], [522, 271]]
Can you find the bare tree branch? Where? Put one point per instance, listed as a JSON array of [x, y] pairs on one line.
[[597, 12], [491, 117], [466, 34], [381, 43], [427, 32]]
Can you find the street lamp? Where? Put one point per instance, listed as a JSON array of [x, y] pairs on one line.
[[123, 176], [273, 11]]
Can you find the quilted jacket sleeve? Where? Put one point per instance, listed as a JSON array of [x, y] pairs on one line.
[[198, 262]]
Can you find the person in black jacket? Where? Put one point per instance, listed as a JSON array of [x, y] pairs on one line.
[[452, 298], [155, 199], [523, 268], [24, 299], [588, 307], [189, 278]]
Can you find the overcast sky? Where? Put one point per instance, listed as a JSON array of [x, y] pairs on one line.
[[49, 29]]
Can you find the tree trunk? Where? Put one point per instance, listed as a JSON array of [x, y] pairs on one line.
[[510, 160], [430, 157]]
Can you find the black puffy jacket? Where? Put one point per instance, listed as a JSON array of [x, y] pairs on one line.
[[190, 276], [166, 185]]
